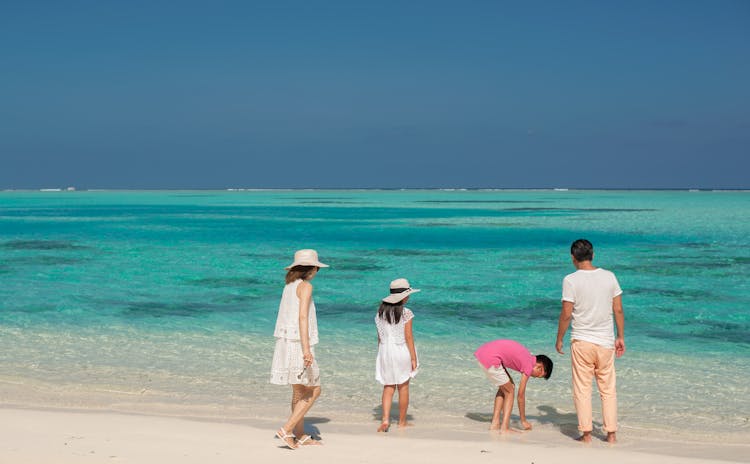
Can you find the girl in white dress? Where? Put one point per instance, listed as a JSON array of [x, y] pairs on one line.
[[296, 335], [397, 360]]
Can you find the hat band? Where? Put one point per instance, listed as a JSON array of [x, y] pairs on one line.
[[399, 290]]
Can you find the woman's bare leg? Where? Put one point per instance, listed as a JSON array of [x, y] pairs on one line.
[[302, 400]]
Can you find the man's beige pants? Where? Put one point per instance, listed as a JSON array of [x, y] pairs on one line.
[[590, 360]]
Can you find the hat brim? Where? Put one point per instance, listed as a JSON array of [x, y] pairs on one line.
[[306, 263], [394, 298]]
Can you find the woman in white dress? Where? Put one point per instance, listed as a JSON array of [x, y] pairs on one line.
[[296, 335], [397, 360]]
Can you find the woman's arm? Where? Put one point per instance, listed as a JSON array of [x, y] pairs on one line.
[[304, 292]]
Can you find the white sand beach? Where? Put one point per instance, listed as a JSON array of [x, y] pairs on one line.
[[61, 437]]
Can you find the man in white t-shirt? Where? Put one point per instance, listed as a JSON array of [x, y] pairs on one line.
[[591, 296]]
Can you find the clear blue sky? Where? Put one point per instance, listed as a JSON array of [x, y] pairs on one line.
[[589, 94]]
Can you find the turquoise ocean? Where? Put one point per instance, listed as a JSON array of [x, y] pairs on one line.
[[164, 302]]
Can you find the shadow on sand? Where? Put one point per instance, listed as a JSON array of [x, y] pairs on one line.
[[377, 413], [311, 426], [567, 423]]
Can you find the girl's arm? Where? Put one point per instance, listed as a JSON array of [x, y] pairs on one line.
[[304, 292], [409, 335]]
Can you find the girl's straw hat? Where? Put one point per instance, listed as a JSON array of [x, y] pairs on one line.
[[400, 289], [306, 258]]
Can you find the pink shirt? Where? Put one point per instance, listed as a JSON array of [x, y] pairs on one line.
[[506, 353]]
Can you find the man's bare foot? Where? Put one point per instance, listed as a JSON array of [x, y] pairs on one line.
[[585, 438], [384, 427], [611, 438], [495, 427], [404, 424]]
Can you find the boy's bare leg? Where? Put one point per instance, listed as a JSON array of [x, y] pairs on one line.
[[497, 409], [388, 391], [612, 437], [508, 393], [585, 437], [403, 404]]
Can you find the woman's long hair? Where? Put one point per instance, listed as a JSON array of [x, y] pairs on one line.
[[299, 272], [391, 312]]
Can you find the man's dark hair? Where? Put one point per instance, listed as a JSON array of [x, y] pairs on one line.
[[582, 250], [547, 363]]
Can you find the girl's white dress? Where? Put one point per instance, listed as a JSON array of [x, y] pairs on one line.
[[393, 364], [288, 362]]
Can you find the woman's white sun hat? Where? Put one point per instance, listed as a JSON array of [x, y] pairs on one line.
[[400, 289], [306, 258]]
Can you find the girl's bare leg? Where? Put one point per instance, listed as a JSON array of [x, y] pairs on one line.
[[403, 403], [388, 391]]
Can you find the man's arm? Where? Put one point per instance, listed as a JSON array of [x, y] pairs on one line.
[[620, 323], [563, 323], [522, 402]]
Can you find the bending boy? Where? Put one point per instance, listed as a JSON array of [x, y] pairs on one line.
[[495, 358]]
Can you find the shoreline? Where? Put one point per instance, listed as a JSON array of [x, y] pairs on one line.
[[66, 436]]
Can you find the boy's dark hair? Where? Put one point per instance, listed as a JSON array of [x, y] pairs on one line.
[[547, 363], [582, 250], [391, 312]]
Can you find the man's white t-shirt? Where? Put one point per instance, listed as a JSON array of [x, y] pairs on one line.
[[591, 293]]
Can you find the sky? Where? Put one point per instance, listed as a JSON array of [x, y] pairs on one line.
[[375, 94]]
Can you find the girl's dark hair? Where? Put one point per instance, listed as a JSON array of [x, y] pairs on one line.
[[299, 272], [391, 312]]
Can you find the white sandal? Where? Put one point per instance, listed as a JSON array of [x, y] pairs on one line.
[[281, 433], [308, 440]]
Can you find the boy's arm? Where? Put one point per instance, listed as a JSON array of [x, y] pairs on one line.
[[522, 402], [562, 324]]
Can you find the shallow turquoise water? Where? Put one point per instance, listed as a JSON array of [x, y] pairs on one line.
[[138, 298]]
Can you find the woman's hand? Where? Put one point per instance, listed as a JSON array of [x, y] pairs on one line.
[[308, 358], [413, 364]]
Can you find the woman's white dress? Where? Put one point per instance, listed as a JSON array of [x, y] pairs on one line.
[[288, 362], [393, 364]]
